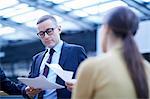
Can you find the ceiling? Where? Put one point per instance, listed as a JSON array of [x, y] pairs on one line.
[[18, 17]]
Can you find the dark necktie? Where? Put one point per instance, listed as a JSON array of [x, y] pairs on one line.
[[46, 68], [46, 71]]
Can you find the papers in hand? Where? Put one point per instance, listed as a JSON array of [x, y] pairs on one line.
[[40, 82], [63, 74], [73, 81]]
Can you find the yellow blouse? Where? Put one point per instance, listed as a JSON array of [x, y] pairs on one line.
[[105, 77]]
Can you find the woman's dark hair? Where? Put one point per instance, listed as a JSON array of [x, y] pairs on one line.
[[124, 24]]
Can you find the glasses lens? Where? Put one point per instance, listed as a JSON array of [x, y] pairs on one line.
[[41, 34], [49, 31]]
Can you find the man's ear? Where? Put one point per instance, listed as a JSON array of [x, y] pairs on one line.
[[59, 29]]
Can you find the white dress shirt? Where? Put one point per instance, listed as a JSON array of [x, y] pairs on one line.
[[51, 94]]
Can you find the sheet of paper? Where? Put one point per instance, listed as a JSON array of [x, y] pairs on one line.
[[63, 74], [73, 81], [40, 82]]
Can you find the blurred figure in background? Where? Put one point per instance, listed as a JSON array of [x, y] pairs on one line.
[[69, 56], [121, 72], [7, 85]]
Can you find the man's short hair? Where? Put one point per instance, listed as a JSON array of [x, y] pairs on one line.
[[46, 17]]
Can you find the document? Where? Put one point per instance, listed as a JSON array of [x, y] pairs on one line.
[[40, 82], [73, 81], [63, 74]]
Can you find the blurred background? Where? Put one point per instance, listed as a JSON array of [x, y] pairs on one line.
[[79, 20]]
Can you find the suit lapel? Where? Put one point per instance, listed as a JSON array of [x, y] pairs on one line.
[[63, 55], [39, 62]]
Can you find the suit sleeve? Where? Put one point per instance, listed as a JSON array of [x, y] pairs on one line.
[[81, 57], [23, 86], [8, 86], [32, 66]]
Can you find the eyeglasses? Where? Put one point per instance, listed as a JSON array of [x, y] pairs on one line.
[[49, 31]]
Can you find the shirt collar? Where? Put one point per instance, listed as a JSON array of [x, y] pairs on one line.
[[58, 47]]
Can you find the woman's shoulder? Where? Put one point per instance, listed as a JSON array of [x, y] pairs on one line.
[[96, 62]]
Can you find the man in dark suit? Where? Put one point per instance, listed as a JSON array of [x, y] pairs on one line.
[[7, 85], [68, 56]]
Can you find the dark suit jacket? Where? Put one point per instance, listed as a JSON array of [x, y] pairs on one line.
[[8, 86], [70, 58]]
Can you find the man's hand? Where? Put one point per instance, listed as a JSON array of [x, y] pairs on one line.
[[70, 85], [31, 92]]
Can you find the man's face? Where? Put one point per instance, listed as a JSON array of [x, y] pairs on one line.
[[49, 33]]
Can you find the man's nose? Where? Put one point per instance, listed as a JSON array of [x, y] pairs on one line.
[[46, 35]]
